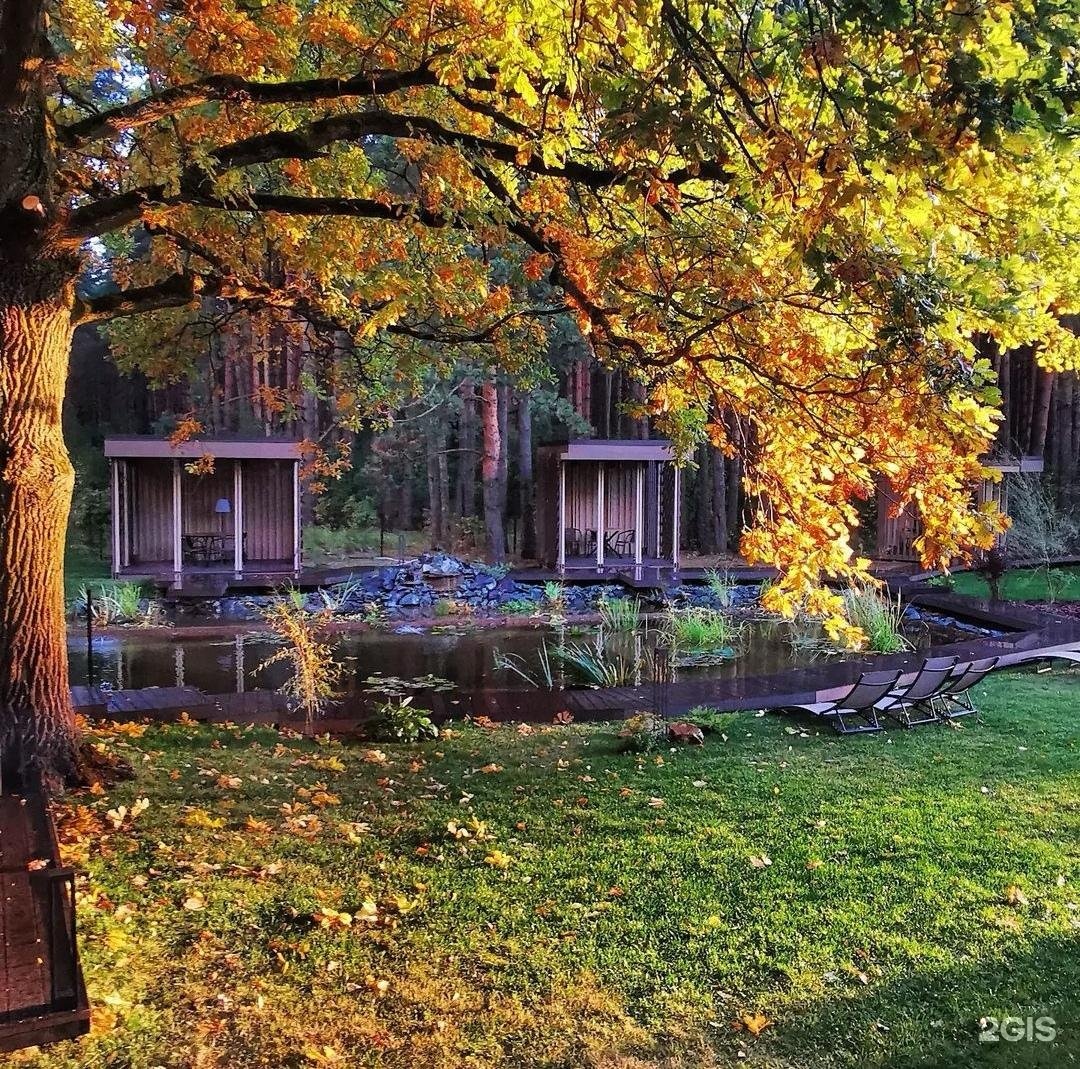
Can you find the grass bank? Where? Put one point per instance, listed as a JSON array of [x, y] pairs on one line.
[[537, 898], [1021, 584]]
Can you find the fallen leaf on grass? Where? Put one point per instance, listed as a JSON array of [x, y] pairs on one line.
[[814, 863], [229, 783], [195, 902], [754, 1023], [1014, 896], [491, 768], [498, 860], [761, 861], [331, 919]]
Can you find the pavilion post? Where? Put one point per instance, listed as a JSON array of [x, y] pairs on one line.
[[178, 522], [296, 518], [117, 559], [639, 514], [238, 518], [600, 516], [676, 517], [560, 552]]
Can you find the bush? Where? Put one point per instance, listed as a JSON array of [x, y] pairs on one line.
[[1040, 531], [643, 733], [397, 720]]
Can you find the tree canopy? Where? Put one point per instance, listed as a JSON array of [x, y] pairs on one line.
[[802, 225]]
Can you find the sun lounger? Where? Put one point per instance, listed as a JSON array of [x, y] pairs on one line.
[[954, 699], [912, 704], [860, 704]]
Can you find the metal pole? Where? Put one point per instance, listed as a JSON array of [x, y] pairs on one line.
[[89, 635]]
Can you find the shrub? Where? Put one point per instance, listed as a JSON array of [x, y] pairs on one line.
[[1040, 531], [518, 607], [643, 733], [555, 596], [396, 720], [314, 670]]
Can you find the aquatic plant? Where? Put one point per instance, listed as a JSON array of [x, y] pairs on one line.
[[515, 663], [555, 596], [619, 614], [336, 598], [118, 603], [722, 587], [598, 665], [698, 627], [314, 670], [878, 615]]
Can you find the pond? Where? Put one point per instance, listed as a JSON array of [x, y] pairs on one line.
[[467, 659]]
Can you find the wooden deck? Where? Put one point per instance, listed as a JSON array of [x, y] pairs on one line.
[[42, 997]]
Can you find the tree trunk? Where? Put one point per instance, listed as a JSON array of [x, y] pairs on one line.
[[36, 482], [467, 445], [702, 505], [37, 295], [525, 478], [1040, 412], [490, 471], [719, 501]]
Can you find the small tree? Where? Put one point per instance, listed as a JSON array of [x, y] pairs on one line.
[[304, 649]]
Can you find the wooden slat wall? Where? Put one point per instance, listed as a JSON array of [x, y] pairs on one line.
[[198, 496], [619, 482], [150, 487], [268, 510]]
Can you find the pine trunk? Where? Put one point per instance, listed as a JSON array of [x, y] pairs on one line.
[[489, 472], [525, 478], [37, 721]]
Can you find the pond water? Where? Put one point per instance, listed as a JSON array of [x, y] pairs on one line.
[[466, 659]]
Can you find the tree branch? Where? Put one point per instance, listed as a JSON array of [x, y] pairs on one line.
[[219, 87]]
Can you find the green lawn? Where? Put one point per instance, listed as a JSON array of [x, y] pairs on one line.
[[82, 566], [1021, 584], [543, 899]]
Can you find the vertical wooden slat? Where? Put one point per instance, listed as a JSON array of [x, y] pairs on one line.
[[296, 517], [601, 504], [117, 513], [639, 512], [177, 534], [560, 553], [676, 517], [238, 518]]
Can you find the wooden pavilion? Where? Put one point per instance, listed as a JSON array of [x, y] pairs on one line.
[[607, 506], [224, 508], [897, 531]]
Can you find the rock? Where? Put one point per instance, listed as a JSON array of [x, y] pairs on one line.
[[683, 732]]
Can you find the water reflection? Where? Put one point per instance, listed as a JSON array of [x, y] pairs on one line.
[[233, 664]]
